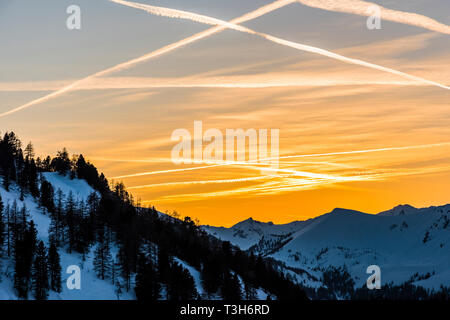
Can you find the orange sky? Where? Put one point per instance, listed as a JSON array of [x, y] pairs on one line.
[[123, 122]]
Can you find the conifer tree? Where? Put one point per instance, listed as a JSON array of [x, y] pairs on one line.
[[8, 229], [102, 257], [70, 221], [231, 288], [46, 199], [24, 251], [61, 163], [2, 225], [40, 281], [29, 151], [54, 268], [147, 285], [56, 230]]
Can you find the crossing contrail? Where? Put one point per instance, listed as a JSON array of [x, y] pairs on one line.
[[159, 52], [221, 181], [362, 8], [178, 14], [231, 163]]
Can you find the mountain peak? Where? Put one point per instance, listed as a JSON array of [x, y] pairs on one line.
[[342, 210], [399, 210]]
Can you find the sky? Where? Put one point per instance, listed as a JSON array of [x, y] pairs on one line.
[[350, 136]]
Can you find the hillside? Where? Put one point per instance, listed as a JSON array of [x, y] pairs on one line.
[[92, 287], [407, 243]]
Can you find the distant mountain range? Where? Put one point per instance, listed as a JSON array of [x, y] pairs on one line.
[[408, 244]]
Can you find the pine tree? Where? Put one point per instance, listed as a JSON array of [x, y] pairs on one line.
[[46, 199], [8, 229], [22, 219], [56, 230], [33, 178], [62, 162], [70, 220], [54, 268], [180, 284], [40, 273], [29, 151], [24, 251], [2, 225], [231, 288], [147, 285], [102, 257]]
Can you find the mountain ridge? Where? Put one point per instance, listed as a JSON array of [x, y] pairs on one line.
[[404, 241]]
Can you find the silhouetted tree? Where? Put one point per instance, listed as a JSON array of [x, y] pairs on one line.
[[40, 273], [54, 268]]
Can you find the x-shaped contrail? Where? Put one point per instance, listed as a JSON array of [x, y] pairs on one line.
[[178, 14], [220, 25]]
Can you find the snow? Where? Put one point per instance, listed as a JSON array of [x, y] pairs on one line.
[[92, 288], [249, 232], [195, 274], [80, 189], [392, 239]]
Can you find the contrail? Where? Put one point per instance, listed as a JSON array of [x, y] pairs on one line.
[[252, 165], [178, 14], [362, 151], [165, 171], [230, 163], [166, 49], [362, 8], [287, 185], [208, 181], [225, 82]]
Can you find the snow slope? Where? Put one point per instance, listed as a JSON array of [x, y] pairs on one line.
[[80, 189], [402, 241], [92, 288], [249, 232], [195, 275]]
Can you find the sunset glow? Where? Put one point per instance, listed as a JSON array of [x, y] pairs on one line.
[[363, 115]]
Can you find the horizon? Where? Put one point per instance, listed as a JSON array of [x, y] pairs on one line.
[[350, 135]]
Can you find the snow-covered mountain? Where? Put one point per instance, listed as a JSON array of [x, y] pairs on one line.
[[408, 244]]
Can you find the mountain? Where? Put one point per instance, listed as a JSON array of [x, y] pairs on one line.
[[410, 245]]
